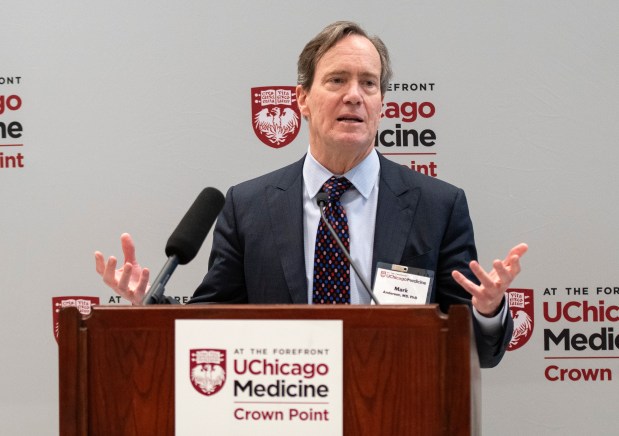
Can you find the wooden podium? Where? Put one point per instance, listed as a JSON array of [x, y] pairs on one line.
[[408, 370]]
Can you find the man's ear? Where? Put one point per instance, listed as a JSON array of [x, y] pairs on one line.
[[302, 101]]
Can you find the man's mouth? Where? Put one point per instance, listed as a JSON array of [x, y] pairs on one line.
[[350, 119]]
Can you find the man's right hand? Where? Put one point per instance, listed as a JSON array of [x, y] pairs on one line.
[[131, 280]]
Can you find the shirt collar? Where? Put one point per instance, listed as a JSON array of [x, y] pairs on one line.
[[363, 176]]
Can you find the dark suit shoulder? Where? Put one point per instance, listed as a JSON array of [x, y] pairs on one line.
[[400, 178], [281, 178]]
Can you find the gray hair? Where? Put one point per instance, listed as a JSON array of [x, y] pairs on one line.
[[327, 38]]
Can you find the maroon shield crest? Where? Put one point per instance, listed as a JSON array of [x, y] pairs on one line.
[[83, 304], [521, 308], [275, 115], [207, 370]]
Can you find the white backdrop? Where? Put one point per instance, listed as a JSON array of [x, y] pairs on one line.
[[130, 108]]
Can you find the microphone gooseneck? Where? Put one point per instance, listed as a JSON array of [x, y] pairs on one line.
[[322, 199]]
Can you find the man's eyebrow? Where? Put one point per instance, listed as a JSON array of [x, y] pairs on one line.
[[337, 72], [348, 73], [369, 74]]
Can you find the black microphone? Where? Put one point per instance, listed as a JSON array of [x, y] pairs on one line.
[[186, 240], [322, 199]]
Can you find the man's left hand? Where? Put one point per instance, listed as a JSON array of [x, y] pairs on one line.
[[488, 295]]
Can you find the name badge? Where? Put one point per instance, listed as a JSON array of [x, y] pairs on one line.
[[398, 284]]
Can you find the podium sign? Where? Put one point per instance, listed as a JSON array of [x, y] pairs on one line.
[[258, 377]]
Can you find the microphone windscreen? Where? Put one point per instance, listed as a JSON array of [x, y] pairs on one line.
[[322, 198], [187, 238]]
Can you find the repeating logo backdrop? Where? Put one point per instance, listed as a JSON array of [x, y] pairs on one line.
[[114, 116], [11, 129]]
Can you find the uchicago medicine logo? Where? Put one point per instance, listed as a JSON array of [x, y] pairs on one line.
[[521, 308], [207, 370], [275, 115], [83, 304]]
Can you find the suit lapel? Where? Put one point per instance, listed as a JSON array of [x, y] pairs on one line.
[[285, 208], [395, 213], [394, 217]]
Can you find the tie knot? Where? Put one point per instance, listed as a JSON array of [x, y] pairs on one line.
[[335, 187]]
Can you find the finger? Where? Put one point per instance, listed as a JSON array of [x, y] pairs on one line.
[[140, 290], [504, 275], [463, 281], [99, 262], [128, 248], [514, 266], [484, 278], [109, 273], [123, 281], [519, 250]]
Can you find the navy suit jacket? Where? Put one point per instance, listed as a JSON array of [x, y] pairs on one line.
[[258, 250]]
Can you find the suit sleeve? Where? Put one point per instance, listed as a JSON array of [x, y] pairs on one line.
[[457, 251]]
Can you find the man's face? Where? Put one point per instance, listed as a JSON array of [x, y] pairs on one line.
[[344, 104]]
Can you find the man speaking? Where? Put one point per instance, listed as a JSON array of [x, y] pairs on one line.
[[270, 244]]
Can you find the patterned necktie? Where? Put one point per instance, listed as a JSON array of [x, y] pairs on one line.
[[331, 268]]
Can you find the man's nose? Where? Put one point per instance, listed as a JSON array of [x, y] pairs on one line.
[[353, 93]]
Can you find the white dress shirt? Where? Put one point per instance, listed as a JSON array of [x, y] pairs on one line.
[[360, 202]]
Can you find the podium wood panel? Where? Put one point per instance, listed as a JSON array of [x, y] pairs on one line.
[[408, 370]]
